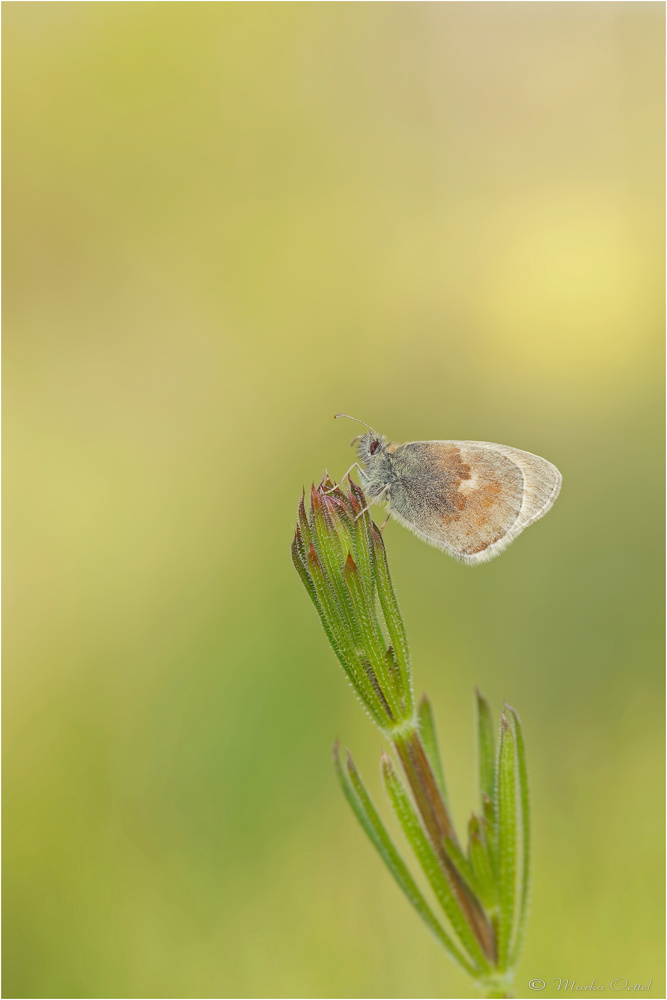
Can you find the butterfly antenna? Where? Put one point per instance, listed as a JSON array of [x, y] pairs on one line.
[[337, 415]]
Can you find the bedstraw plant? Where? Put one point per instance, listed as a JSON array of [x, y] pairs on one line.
[[480, 889]]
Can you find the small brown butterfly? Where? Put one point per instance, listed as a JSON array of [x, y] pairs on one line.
[[469, 498]]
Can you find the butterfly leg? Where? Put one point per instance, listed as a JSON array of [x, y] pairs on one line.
[[374, 500], [355, 465]]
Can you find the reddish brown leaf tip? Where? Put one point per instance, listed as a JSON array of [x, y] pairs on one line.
[[312, 555]]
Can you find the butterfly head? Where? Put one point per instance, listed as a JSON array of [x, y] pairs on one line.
[[371, 448]]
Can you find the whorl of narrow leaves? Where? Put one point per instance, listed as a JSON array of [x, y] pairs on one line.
[[480, 892], [339, 554]]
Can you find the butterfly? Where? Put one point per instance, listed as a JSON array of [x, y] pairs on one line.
[[468, 498]]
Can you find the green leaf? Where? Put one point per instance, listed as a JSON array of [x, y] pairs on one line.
[[485, 746], [524, 822], [463, 867], [363, 808], [340, 640], [392, 617], [332, 558], [304, 525], [489, 832], [481, 865], [300, 560], [395, 675], [363, 548], [302, 564], [507, 839], [371, 638], [430, 864], [430, 743]]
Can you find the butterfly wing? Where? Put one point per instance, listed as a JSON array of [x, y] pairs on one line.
[[470, 498]]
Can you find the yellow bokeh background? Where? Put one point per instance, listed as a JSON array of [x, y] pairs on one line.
[[223, 223]]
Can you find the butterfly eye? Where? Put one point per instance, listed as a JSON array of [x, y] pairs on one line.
[[374, 447]]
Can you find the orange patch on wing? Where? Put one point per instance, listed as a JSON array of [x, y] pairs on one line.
[[484, 545], [489, 493], [483, 494], [457, 470]]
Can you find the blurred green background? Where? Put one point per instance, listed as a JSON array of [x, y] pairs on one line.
[[224, 222]]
